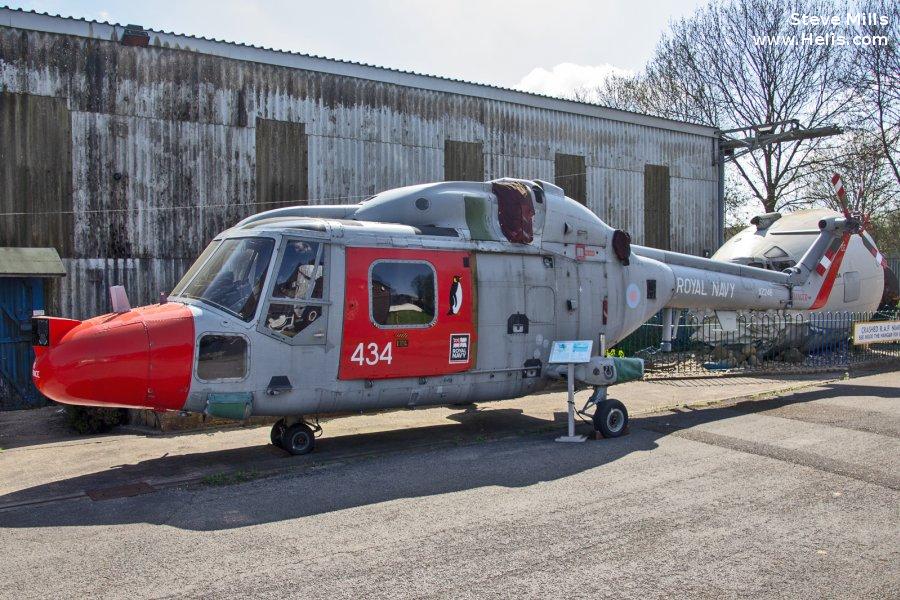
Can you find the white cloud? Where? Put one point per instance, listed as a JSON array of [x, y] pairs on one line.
[[565, 79]]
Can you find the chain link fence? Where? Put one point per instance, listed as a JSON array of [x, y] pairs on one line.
[[760, 343]]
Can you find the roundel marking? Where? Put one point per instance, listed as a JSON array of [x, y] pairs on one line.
[[632, 295]]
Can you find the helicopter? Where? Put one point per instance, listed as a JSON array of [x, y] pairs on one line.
[[433, 294], [864, 282]]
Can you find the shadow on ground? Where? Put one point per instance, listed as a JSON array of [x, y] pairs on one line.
[[486, 448]]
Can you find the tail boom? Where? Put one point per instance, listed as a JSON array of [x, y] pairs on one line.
[[710, 284]]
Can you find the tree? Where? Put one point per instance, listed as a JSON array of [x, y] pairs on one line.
[[886, 231], [734, 64], [737, 215], [874, 77], [860, 160]]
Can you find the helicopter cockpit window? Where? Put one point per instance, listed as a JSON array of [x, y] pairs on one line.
[[179, 288], [300, 275], [298, 291], [402, 294], [233, 277]]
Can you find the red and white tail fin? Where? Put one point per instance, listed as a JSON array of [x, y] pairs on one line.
[[814, 275], [829, 266], [827, 260]]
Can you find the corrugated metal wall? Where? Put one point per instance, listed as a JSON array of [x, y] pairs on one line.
[[164, 152]]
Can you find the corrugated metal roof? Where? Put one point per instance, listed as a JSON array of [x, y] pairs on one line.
[[23, 19], [30, 262]]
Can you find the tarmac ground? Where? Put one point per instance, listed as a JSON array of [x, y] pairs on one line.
[[741, 488]]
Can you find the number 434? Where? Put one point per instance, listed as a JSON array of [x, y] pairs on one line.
[[370, 354]]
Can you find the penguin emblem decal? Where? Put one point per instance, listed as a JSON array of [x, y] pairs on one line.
[[456, 296]]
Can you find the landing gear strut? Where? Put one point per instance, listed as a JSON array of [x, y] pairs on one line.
[[297, 438], [277, 432]]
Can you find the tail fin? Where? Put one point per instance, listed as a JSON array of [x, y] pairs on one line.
[[813, 277]]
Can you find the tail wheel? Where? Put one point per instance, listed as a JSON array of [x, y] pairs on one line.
[[277, 433], [610, 418], [298, 439]]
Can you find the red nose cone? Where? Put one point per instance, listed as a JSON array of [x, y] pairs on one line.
[[139, 359]]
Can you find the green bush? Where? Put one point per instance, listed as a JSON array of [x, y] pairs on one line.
[[87, 420]]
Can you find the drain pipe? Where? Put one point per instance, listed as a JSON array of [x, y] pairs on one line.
[[720, 200]]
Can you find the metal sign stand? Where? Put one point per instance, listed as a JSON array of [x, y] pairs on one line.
[[571, 402], [570, 353]]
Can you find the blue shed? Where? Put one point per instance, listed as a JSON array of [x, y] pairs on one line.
[[23, 272]]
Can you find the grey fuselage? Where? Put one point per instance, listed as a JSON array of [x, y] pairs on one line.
[[566, 282]]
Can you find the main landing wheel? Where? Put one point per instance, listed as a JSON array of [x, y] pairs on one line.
[[298, 439], [610, 418], [277, 433]]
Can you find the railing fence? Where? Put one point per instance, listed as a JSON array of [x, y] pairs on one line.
[[761, 343]]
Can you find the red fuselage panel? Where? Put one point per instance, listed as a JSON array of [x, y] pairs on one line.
[[369, 351]]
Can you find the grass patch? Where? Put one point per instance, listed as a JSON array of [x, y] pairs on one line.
[[219, 479]]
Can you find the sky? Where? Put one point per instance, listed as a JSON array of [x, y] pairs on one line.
[[547, 47]]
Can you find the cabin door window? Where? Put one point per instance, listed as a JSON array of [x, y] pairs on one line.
[[298, 306], [402, 294]]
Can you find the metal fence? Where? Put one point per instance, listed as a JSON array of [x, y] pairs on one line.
[[894, 263], [760, 343]]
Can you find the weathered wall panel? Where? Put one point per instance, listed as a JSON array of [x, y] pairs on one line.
[[148, 188], [657, 204], [281, 164], [35, 172], [84, 291], [571, 175], [463, 161]]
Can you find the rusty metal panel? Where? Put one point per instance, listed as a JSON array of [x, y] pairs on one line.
[[463, 161], [657, 197], [571, 175], [35, 172], [281, 164], [151, 188]]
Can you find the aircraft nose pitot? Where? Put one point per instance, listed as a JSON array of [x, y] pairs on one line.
[[138, 359]]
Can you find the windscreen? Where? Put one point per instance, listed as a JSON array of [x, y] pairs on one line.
[[179, 288], [233, 277]]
